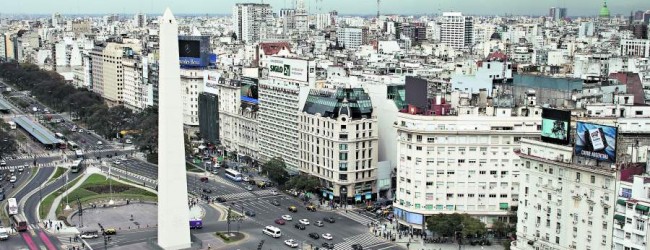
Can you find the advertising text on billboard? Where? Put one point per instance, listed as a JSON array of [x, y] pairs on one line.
[[596, 141]]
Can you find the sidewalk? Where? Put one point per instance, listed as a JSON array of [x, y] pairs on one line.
[[55, 204], [417, 243]]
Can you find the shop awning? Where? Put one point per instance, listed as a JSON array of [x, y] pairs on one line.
[[503, 205], [619, 217], [620, 202], [642, 207]]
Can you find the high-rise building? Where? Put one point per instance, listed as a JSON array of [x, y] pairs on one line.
[[279, 97], [248, 19], [288, 17], [632, 213], [56, 20], [339, 143], [192, 82], [563, 204], [108, 71], [139, 20], [302, 18], [351, 37], [635, 47], [136, 86], [557, 13], [456, 30], [586, 29]]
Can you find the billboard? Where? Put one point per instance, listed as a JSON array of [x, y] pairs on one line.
[[210, 81], [249, 89], [416, 92], [596, 141], [288, 68], [556, 126], [194, 51]]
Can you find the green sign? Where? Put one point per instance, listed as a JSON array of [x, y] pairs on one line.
[[286, 69]]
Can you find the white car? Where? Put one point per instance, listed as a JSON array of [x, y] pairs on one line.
[[12, 179], [246, 178], [291, 243], [304, 221], [327, 236], [12, 170], [287, 217], [273, 192], [3, 163], [99, 143], [21, 168], [117, 162]]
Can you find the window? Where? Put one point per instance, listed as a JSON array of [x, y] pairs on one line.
[[343, 146], [577, 176], [593, 179]]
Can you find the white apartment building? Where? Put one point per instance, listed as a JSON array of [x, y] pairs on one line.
[[350, 37], [563, 203], [136, 86], [191, 84], [459, 164], [339, 143], [288, 82], [635, 47], [237, 119], [456, 30], [248, 19], [631, 218]]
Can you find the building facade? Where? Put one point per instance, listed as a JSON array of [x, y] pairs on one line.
[[457, 30], [351, 37], [631, 218], [248, 19], [339, 143], [192, 84]]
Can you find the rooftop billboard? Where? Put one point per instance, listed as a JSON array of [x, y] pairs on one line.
[[194, 51], [556, 126], [288, 68], [210, 81], [596, 141]]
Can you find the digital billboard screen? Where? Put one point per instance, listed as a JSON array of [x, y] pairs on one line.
[[556, 126], [189, 48], [416, 92], [596, 141], [249, 87]]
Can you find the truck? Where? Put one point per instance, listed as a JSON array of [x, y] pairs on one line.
[[196, 223], [4, 235]]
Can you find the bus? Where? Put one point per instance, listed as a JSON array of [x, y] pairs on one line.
[[59, 136], [62, 144], [12, 125], [72, 145], [79, 153], [19, 222], [12, 204], [76, 166], [233, 175]]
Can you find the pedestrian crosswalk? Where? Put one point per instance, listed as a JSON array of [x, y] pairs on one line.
[[265, 192], [355, 216], [56, 153], [365, 240], [236, 196], [136, 176]]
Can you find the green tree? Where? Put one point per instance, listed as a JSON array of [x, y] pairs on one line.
[[473, 227], [500, 228], [276, 170], [448, 225]]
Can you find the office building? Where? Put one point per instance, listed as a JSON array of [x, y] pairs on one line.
[[457, 30], [108, 71], [557, 13], [352, 37], [635, 47], [248, 19], [339, 143], [192, 82], [632, 213]]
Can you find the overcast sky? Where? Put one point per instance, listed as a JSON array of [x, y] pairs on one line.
[[416, 7]]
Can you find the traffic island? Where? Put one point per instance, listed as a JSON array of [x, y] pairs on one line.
[[231, 237]]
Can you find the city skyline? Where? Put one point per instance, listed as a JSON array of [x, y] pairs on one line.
[[405, 7]]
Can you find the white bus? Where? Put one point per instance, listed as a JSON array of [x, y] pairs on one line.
[[233, 175], [12, 204], [72, 145], [79, 153], [76, 166], [272, 231]]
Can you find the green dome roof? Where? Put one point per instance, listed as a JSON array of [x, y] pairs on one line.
[[604, 11]]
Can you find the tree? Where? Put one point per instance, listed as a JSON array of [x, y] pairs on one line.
[[500, 228], [276, 170], [449, 224], [234, 36]]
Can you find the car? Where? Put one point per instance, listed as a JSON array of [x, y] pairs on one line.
[[89, 234], [304, 221], [327, 236], [80, 130], [128, 141], [249, 213], [110, 231], [249, 188], [314, 236], [221, 199], [215, 171], [293, 209], [291, 243], [89, 131], [46, 111], [117, 162], [287, 217], [12, 170], [2, 196], [329, 219], [275, 202], [328, 245], [280, 221], [3, 163], [203, 179], [299, 226], [98, 142], [207, 190], [311, 208], [12, 179], [273, 192], [245, 178], [319, 223], [357, 247], [21, 168]]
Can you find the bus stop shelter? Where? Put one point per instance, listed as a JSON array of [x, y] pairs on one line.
[[37, 131]]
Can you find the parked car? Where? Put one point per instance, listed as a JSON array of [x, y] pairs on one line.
[[291, 243], [314, 236], [329, 219], [319, 223], [327, 236], [304, 221], [280, 221], [299, 226], [293, 209], [249, 213], [287, 217]]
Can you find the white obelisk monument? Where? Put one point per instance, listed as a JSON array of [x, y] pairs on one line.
[[173, 210]]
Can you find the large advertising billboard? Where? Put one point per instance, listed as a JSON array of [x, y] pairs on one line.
[[556, 126], [210, 81], [249, 89], [288, 68], [596, 141], [194, 51]]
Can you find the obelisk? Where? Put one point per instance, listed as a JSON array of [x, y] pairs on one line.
[[173, 210]]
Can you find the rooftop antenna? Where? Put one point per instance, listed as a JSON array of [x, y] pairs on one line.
[[378, 4]]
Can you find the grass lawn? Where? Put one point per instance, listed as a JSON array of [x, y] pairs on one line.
[[46, 204], [230, 237], [193, 168], [58, 172]]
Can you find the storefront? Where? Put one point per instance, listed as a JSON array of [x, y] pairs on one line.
[[413, 221]]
